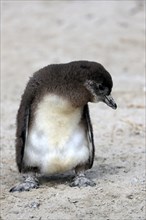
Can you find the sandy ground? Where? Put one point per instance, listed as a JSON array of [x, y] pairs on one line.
[[37, 33]]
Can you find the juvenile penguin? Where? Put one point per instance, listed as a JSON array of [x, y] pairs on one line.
[[54, 131]]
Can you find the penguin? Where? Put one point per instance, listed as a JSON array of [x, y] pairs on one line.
[[54, 131]]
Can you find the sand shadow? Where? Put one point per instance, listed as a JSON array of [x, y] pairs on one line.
[[96, 173]]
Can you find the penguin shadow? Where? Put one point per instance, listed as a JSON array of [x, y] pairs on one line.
[[57, 179], [98, 172], [103, 171]]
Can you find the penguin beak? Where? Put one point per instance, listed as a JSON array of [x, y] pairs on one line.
[[110, 101]]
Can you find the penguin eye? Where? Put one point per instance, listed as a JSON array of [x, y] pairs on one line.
[[101, 87]]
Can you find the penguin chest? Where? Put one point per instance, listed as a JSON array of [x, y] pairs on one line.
[[56, 141]]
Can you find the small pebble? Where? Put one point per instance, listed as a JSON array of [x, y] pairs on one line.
[[130, 196]]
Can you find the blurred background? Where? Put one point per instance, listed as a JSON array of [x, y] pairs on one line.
[[37, 33]]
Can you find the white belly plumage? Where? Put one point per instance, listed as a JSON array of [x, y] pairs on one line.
[[57, 140]]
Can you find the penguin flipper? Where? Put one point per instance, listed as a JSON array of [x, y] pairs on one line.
[[22, 126], [90, 136], [22, 122]]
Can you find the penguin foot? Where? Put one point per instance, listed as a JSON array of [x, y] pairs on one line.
[[29, 183], [82, 181]]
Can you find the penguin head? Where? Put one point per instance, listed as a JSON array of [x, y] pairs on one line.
[[99, 84]]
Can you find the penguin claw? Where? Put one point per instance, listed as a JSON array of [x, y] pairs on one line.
[[25, 186], [82, 181]]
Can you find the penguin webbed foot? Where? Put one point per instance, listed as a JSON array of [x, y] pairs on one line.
[[26, 185], [82, 181]]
